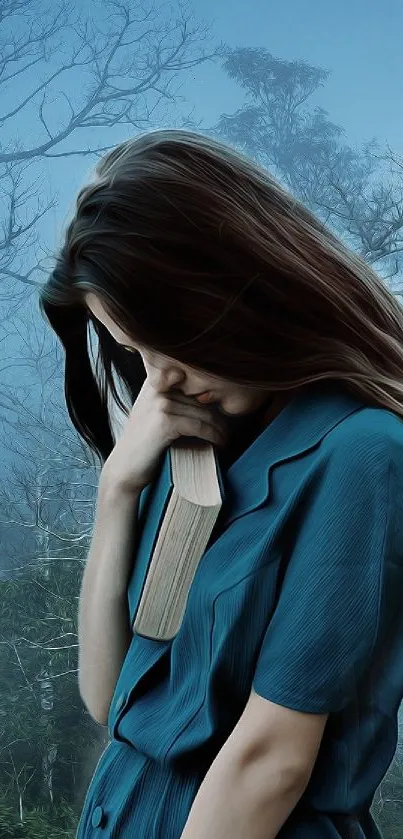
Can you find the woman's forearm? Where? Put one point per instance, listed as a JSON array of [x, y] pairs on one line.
[[243, 800], [103, 621]]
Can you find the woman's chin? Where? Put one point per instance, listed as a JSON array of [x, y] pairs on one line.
[[225, 408]]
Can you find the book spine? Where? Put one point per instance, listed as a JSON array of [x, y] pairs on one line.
[[219, 475]]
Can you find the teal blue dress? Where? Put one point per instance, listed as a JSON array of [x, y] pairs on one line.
[[298, 596]]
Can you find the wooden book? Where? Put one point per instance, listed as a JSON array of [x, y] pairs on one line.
[[182, 510]]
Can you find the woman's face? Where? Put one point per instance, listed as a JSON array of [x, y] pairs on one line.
[[166, 374]]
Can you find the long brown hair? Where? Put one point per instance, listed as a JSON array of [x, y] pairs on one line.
[[198, 253]]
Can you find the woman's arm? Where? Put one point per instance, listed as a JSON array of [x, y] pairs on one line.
[[259, 775], [103, 622]]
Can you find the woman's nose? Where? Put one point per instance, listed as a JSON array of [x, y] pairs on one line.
[[163, 380]]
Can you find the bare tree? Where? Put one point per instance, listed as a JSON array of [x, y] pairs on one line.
[[47, 509], [46, 521], [71, 75]]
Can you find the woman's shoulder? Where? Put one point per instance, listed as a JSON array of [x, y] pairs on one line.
[[366, 432]]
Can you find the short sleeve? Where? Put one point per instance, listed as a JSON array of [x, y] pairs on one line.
[[321, 636]]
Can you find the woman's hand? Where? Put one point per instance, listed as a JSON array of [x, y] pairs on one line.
[[155, 421]]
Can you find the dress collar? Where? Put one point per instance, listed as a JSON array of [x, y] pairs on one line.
[[298, 427]]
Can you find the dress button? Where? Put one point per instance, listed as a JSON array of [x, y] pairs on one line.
[[120, 702], [98, 817]]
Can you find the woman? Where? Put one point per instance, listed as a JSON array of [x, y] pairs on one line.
[[273, 711]]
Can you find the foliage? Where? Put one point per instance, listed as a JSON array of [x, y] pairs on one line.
[[387, 808], [357, 192], [45, 730], [38, 822]]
